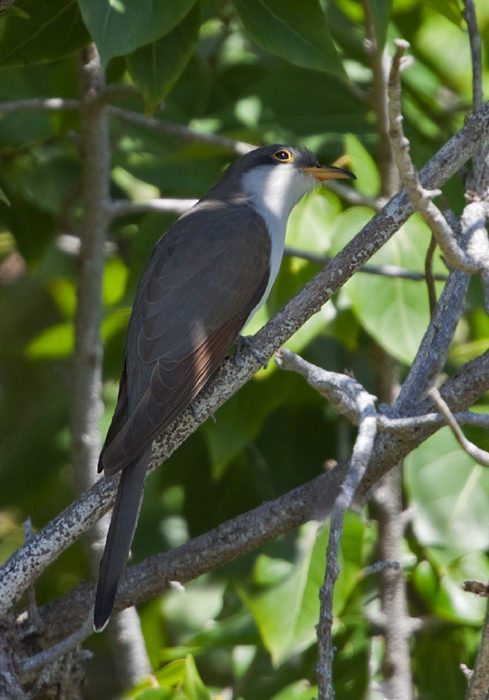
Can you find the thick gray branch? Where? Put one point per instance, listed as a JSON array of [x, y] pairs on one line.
[[26, 564]]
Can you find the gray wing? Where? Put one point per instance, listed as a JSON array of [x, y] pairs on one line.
[[192, 301]]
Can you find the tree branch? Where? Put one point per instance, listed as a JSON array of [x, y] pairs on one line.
[[480, 456], [26, 564], [244, 533], [473, 259], [134, 118]]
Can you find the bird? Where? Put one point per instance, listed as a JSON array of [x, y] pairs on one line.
[[206, 277]]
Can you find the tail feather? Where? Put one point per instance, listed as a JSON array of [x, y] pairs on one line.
[[119, 538]]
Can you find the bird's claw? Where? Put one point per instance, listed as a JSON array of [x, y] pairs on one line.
[[247, 342]]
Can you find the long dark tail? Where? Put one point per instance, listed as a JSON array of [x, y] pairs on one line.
[[119, 538]]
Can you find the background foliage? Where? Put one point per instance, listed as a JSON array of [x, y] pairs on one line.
[[261, 71]]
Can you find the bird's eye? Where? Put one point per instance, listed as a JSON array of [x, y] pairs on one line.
[[283, 156]]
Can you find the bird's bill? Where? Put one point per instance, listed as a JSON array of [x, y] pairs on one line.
[[329, 172]]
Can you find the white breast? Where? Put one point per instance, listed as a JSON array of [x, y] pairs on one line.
[[274, 191]]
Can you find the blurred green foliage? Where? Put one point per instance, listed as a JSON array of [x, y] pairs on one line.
[[263, 72]]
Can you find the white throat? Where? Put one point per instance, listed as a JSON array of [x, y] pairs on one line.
[[274, 191]]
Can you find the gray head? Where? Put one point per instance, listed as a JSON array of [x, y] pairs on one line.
[[274, 178], [274, 168]]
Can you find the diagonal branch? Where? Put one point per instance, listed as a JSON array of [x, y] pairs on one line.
[[27, 563], [234, 538]]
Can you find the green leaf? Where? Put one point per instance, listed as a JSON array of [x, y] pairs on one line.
[[394, 311], [156, 67], [156, 694], [295, 31], [18, 83], [119, 27], [311, 221], [171, 674], [451, 9], [364, 167], [57, 341], [45, 31], [451, 496], [380, 11], [193, 686], [32, 227], [239, 420], [443, 593], [239, 629], [287, 634], [301, 690], [114, 282]]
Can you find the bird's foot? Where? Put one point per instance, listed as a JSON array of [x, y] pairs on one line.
[[195, 414], [246, 342]]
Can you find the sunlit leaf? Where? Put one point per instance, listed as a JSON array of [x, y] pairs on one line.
[[394, 311], [297, 32], [451, 495], [287, 613], [297, 691], [114, 282], [311, 221], [192, 684], [364, 167], [57, 341]]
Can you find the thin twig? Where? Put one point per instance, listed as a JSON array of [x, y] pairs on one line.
[[399, 425], [183, 132], [479, 678], [470, 17], [324, 629], [134, 118], [378, 59], [122, 207], [380, 566], [430, 277], [349, 398], [480, 176], [480, 588], [480, 456], [352, 196], [391, 271], [42, 103], [47, 656], [420, 197]]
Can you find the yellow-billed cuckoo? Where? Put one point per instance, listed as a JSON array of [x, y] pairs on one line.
[[206, 277]]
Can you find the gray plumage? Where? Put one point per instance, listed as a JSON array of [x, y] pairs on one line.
[[205, 278]]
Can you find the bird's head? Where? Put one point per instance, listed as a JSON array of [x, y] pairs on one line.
[[277, 177]]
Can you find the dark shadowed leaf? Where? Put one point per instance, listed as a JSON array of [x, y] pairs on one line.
[[380, 12], [156, 67], [44, 31], [120, 27]]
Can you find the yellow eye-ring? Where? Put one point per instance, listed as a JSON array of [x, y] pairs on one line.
[[283, 156]]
